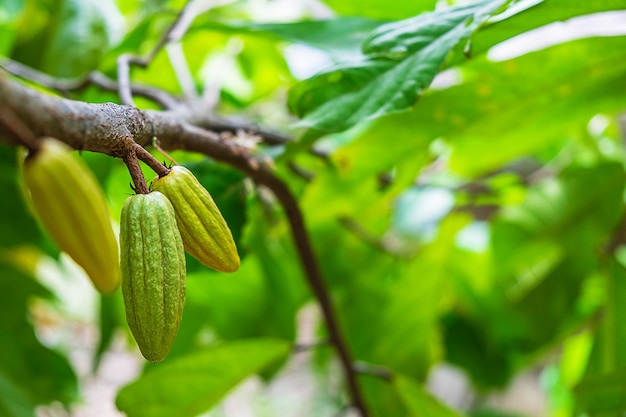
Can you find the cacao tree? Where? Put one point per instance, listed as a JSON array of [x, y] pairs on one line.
[[312, 208]]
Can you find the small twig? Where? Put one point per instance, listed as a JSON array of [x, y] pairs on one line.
[[181, 70], [176, 30], [141, 187], [155, 143], [298, 348], [150, 160], [382, 244], [377, 371], [301, 172]]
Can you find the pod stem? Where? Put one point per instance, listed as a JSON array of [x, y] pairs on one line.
[[150, 160], [135, 173]]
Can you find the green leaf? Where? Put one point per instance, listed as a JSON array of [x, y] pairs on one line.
[[578, 80], [192, 384], [393, 85], [14, 402], [602, 395], [542, 12], [577, 209], [381, 9], [418, 401], [342, 35], [607, 354], [79, 35]]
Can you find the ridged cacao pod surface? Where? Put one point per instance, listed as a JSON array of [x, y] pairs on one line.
[[205, 233], [71, 205], [153, 272]]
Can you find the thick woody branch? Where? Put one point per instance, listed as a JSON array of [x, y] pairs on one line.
[[116, 130]]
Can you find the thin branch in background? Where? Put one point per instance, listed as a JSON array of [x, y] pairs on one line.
[[157, 146], [301, 172], [383, 244], [65, 86], [224, 63], [298, 348], [373, 370], [174, 33], [178, 61]]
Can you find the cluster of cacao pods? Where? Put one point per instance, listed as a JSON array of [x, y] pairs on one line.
[[177, 214]]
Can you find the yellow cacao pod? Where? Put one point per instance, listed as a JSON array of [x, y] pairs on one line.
[[206, 235], [72, 208], [153, 272]]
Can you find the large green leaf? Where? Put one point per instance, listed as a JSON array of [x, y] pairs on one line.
[[540, 13], [578, 80], [192, 384], [393, 84]]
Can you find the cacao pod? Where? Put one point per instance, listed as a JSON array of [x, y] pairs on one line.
[[153, 272], [71, 206], [205, 233]]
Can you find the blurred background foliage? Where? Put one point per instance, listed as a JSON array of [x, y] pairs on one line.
[[471, 227]]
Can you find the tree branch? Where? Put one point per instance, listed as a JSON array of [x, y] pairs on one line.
[[176, 30], [115, 130], [67, 85]]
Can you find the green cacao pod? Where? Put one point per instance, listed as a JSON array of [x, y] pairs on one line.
[[153, 272], [71, 205], [206, 235]]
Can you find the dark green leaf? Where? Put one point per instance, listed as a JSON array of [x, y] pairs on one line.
[[396, 85], [192, 384]]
